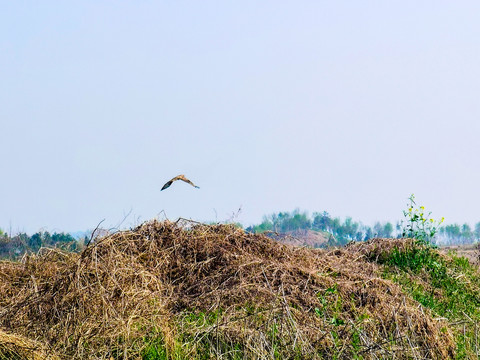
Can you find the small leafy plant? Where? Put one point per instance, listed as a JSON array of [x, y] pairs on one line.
[[418, 224]]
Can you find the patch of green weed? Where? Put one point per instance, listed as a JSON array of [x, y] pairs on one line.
[[450, 287]]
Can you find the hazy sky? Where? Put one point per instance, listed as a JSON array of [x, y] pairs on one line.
[[344, 106]]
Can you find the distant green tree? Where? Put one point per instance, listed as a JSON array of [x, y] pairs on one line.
[[265, 226], [359, 236], [322, 221], [368, 233], [388, 230], [64, 241], [377, 229], [452, 231], [297, 221], [59, 238], [477, 231], [15, 247], [336, 227], [398, 228], [284, 222], [350, 228], [467, 234], [383, 230], [35, 241]]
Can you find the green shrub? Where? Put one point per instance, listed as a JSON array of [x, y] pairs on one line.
[[418, 224]]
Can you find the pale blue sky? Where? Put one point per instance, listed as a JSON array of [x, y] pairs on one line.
[[344, 106]]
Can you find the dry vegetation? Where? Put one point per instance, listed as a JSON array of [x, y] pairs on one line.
[[184, 290], [470, 251]]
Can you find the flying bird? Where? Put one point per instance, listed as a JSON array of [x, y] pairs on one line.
[[179, 177]]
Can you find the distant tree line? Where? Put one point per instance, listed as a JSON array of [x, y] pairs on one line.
[[343, 231], [13, 247], [458, 234]]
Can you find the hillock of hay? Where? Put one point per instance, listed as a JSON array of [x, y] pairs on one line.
[[171, 290], [15, 347]]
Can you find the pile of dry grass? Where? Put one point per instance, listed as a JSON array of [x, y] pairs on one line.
[[13, 347], [269, 299]]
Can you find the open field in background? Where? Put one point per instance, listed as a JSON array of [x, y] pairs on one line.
[[185, 290], [471, 252]]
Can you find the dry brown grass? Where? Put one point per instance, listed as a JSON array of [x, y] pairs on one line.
[[270, 300], [14, 347]]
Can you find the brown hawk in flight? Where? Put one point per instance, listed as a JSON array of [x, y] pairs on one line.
[[179, 177]]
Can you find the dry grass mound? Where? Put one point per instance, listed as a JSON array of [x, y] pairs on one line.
[[15, 347], [188, 290]]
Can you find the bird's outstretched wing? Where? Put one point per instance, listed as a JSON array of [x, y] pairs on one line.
[[189, 182], [167, 185], [179, 177]]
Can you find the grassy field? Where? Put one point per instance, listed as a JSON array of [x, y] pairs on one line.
[[191, 291]]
